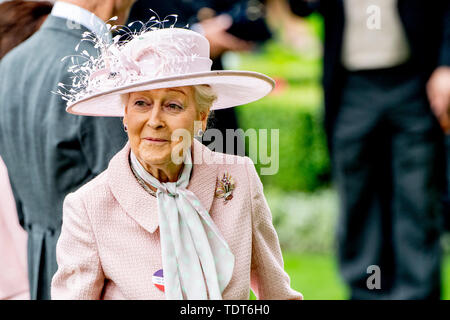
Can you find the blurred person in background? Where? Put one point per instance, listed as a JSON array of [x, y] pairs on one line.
[[233, 25], [48, 152], [13, 245], [383, 63], [18, 21], [439, 92]]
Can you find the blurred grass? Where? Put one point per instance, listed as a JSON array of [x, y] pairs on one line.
[[317, 278], [446, 278]]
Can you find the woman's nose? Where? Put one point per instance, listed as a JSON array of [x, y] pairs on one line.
[[155, 121]]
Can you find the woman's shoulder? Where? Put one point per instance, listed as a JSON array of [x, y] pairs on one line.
[[93, 189], [231, 158], [204, 155], [241, 167], [236, 165], [230, 161]]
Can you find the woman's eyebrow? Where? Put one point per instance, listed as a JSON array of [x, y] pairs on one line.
[[177, 90]]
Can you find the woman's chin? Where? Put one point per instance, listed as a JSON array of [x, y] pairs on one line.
[[155, 155]]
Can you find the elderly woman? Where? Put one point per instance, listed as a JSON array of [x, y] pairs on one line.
[[168, 219]]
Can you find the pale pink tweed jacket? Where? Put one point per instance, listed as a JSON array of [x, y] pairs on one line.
[[109, 245], [13, 245]]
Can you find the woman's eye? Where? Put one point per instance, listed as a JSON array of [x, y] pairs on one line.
[[140, 103], [174, 106]]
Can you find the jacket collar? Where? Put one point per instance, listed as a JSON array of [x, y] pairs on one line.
[[77, 17], [61, 24], [143, 207]]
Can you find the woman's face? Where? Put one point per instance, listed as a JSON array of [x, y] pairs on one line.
[[152, 116]]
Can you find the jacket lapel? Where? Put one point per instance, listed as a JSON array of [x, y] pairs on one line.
[[141, 206], [137, 203]]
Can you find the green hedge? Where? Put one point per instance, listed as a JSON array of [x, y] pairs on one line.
[[303, 155], [279, 61], [294, 109]]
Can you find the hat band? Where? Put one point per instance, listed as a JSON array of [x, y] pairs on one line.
[[148, 69], [157, 68]]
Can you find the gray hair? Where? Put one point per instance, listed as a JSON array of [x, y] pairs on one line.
[[204, 97]]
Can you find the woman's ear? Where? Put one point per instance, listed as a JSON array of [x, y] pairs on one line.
[[125, 112], [124, 121]]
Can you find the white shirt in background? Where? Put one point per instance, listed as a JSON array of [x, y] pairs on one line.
[[77, 15], [373, 37]]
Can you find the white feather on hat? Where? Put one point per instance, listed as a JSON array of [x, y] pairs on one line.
[[153, 58]]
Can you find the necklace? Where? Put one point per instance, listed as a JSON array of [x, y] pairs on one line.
[[142, 183]]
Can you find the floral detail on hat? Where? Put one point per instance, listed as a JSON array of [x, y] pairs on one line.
[[225, 187], [114, 64]]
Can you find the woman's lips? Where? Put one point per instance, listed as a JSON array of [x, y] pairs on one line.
[[155, 140]]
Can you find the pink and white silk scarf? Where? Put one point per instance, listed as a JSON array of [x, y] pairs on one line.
[[196, 259]]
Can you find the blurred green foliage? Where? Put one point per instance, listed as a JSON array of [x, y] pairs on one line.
[[305, 222], [295, 109], [302, 151], [315, 22], [280, 61]]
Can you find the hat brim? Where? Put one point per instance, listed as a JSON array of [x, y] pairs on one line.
[[233, 88]]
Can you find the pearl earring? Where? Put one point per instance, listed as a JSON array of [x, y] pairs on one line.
[[200, 133]]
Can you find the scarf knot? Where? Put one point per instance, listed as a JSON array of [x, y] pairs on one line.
[[197, 261]]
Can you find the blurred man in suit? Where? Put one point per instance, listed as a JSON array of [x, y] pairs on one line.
[[47, 151], [386, 145], [19, 20], [438, 89]]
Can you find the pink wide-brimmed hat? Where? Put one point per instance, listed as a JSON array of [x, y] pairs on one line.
[[161, 58]]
